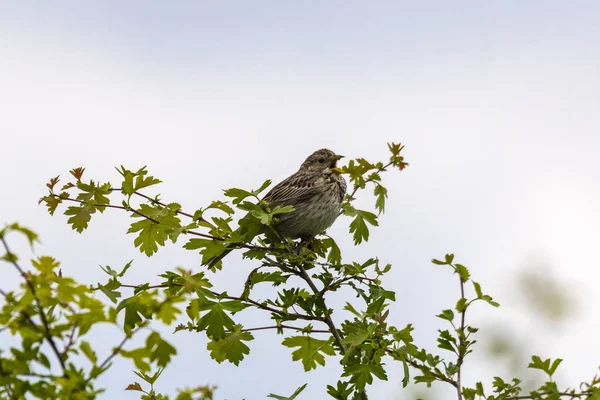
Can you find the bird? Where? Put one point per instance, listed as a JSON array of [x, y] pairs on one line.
[[316, 191]]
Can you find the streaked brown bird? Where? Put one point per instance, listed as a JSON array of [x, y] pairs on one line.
[[316, 192]]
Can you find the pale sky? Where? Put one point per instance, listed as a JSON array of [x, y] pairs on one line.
[[497, 103]]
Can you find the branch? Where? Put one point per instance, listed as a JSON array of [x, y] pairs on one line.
[[71, 341], [285, 327], [244, 300], [97, 205], [423, 368], [561, 394], [461, 343], [356, 187], [190, 232], [154, 201], [46, 332], [328, 320], [115, 351], [7, 386]]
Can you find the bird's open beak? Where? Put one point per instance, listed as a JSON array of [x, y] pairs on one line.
[[334, 168]]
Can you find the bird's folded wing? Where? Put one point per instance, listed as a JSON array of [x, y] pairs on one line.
[[293, 190]]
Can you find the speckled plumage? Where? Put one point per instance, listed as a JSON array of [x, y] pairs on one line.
[[316, 192]]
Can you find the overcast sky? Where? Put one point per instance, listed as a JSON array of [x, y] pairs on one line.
[[497, 103]]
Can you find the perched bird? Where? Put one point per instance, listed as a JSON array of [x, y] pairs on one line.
[[316, 192]]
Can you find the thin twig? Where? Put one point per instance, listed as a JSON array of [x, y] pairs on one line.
[[423, 368], [253, 302], [115, 351], [561, 394], [46, 332], [285, 327], [189, 232], [71, 341], [356, 187], [328, 320], [154, 201], [97, 205], [8, 387], [461, 343]]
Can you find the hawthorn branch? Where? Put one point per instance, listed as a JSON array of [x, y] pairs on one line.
[[7, 386], [421, 367], [46, 330], [357, 187], [189, 232], [160, 203], [461, 343], [243, 300], [285, 327], [114, 352], [328, 320], [70, 342], [561, 394]]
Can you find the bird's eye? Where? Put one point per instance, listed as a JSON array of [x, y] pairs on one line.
[[321, 160]]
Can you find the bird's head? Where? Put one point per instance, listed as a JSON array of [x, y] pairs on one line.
[[323, 160]]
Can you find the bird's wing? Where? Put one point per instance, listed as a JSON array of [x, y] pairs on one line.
[[293, 189]]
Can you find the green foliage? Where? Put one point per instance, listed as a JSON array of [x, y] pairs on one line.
[[309, 350], [51, 313], [231, 347], [292, 397]]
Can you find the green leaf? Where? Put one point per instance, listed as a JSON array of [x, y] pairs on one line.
[[462, 272], [132, 314], [31, 236], [110, 290], [161, 350], [449, 258], [150, 236], [461, 305], [262, 187], [276, 277], [142, 181], [362, 374], [80, 216], [92, 193], [359, 228], [477, 288], [357, 337], [219, 205], [335, 255], [292, 397], [488, 299], [215, 322], [447, 315], [310, 350], [210, 249], [88, 351], [548, 366], [406, 378], [231, 347], [404, 335], [554, 365], [380, 193], [238, 195], [139, 356], [149, 378], [51, 202], [350, 307]]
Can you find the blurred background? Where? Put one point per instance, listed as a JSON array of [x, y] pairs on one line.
[[496, 102]]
